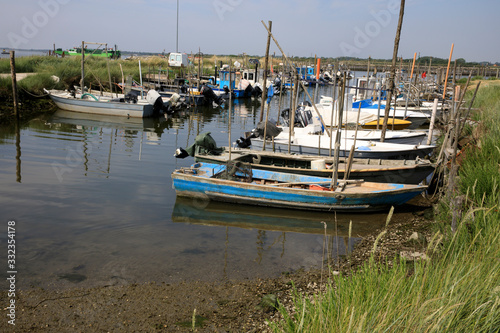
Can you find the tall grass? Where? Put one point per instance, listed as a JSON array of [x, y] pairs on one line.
[[68, 69], [480, 171], [457, 290]]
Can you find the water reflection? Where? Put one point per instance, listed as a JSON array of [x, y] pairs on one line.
[[94, 202], [18, 151], [338, 233], [81, 121]]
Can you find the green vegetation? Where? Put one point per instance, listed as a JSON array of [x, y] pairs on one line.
[[68, 70], [463, 81], [457, 290]]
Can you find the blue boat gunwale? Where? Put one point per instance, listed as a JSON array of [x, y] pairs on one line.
[[209, 171]]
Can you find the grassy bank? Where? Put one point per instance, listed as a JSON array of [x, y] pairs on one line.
[[456, 290], [60, 73]]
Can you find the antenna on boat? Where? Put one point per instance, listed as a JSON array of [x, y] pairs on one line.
[[177, 37]]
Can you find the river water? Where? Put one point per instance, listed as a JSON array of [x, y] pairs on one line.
[[93, 205]]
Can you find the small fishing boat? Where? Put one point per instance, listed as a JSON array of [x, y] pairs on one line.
[[4, 51], [412, 137], [308, 141], [227, 83], [372, 170], [106, 104], [417, 118], [314, 145], [287, 190], [366, 120]]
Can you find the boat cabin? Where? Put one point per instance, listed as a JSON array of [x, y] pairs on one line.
[[306, 73], [224, 79], [250, 75]]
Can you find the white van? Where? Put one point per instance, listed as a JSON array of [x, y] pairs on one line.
[[178, 60]]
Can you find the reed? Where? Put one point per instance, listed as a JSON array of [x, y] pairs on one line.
[[35, 84], [457, 290]]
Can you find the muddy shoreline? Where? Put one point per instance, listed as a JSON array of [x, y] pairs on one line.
[[230, 306], [28, 109]]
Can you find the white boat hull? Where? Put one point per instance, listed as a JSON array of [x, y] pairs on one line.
[[102, 106]]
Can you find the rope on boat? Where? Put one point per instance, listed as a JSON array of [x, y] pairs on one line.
[[37, 96], [88, 94]]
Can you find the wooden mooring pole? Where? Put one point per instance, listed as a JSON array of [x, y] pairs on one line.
[[266, 61], [390, 89], [14, 82]]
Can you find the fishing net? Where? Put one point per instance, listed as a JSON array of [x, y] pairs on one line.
[[236, 171]]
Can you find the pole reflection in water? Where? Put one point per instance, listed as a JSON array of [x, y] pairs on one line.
[[96, 201], [18, 151]]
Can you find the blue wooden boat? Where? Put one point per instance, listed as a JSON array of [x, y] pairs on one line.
[[239, 184]]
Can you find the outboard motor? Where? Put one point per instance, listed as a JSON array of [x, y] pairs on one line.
[[203, 144], [210, 96], [131, 98], [248, 91], [227, 92], [277, 84], [244, 142], [257, 89], [271, 130], [285, 117], [154, 98], [181, 153], [176, 102], [303, 117], [184, 89], [258, 132]]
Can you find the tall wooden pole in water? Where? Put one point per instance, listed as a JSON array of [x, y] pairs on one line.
[[393, 71], [83, 71], [264, 85], [14, 82]]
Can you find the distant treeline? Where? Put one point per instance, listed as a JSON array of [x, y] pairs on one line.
[[422, 60]]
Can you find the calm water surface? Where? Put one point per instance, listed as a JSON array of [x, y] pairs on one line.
[[93, 203]]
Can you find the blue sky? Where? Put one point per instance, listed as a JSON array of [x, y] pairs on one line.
[[324, 28]]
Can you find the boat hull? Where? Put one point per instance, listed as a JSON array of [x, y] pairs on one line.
[[364, 198], [396, 124], [399, 171], [368, 152], [133, 110]]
